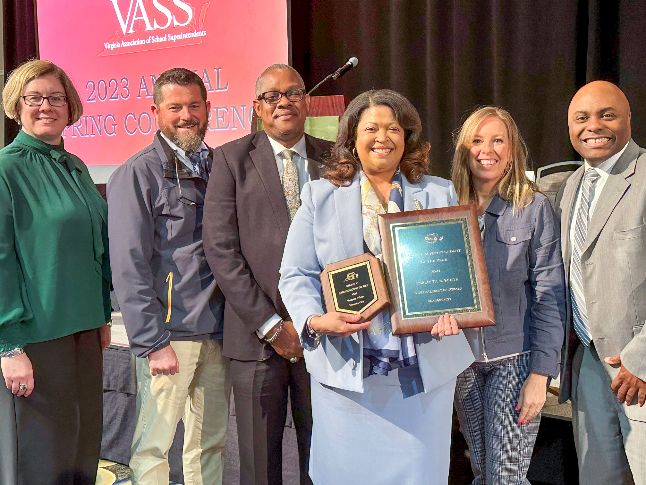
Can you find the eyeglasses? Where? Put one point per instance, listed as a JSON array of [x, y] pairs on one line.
[[182, 198], [57, 100], [273, 97]]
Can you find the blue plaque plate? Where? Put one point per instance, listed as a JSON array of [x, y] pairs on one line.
[[434, 268], [435, 264]]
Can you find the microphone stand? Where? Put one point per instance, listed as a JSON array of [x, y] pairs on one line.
[[322, 81]]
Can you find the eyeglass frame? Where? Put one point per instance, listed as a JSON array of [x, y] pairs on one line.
[[31, 104], [287, 94]]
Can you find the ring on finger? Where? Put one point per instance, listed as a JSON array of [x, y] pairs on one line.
[[22, 386]]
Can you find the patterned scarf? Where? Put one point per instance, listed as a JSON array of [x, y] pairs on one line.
[[384, 350]]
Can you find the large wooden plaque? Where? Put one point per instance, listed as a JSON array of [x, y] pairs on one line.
[[435, 264], [355, 285]]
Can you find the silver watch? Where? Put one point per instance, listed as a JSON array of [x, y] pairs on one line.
[[12, 353]]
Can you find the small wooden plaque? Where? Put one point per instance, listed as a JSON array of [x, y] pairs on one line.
[[355, 285]]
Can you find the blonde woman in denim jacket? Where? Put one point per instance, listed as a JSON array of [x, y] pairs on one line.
[[500, 396]]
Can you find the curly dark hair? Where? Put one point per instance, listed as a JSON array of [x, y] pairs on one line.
[[342, 164]]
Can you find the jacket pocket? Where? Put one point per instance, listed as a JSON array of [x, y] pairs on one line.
[[630, 234], [514, 235], [511, 251]]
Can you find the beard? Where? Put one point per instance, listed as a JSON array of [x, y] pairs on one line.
[[187, 141]]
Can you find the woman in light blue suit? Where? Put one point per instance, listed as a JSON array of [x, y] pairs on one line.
[[381, 403]]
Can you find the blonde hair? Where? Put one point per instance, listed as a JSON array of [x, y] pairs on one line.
[[514, 186], [27, 72]]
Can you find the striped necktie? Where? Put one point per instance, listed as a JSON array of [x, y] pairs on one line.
[[579, 310], [291, 187], [196, 160]]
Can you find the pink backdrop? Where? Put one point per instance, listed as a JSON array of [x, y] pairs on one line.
[[114, 49]]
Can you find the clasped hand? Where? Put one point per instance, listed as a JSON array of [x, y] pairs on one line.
[[338, 324], [628, 388], [287, 343]]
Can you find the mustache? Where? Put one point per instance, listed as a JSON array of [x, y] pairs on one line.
[[187, 124], [285, 112]]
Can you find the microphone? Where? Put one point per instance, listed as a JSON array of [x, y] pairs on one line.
[[352, 62]]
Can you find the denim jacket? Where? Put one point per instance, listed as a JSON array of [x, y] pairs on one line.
[[523, 255]]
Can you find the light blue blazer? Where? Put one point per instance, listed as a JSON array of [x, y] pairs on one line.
[[328, 227]]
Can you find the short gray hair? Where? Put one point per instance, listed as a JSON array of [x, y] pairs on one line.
[[276, 67]]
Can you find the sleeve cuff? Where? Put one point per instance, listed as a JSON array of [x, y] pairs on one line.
[[268, 325]]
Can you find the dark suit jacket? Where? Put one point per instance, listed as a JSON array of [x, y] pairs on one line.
[[245, 227]]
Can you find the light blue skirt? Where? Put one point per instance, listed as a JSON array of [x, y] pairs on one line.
[[379, 438]]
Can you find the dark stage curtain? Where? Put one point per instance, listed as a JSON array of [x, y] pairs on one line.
[[20, 43], [448, 57]]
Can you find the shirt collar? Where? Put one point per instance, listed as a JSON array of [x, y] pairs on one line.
[[56, 152], [182, 155], [299, 147], [606, 166], [29, 140]]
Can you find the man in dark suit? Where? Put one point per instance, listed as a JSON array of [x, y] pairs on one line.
[[252, 196], [602, 207]]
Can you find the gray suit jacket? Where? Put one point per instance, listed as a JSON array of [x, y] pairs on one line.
[[614, 269]]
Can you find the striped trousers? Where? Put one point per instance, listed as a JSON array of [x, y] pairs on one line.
[[486, 395]]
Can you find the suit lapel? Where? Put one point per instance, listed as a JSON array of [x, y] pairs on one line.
[[347, 203], [262, 156], [616, 186], [414, 197], [313, 158]]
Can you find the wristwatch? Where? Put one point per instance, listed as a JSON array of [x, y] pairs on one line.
[[271, 339]]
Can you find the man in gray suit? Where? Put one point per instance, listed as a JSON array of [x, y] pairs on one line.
[[603, 225]]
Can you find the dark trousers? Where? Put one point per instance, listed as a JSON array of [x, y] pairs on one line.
[[54, 435], [260, 391]]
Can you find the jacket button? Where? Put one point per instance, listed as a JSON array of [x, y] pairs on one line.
[[513, 238]]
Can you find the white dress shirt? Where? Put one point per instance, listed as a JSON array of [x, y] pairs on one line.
[[300, 159]]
